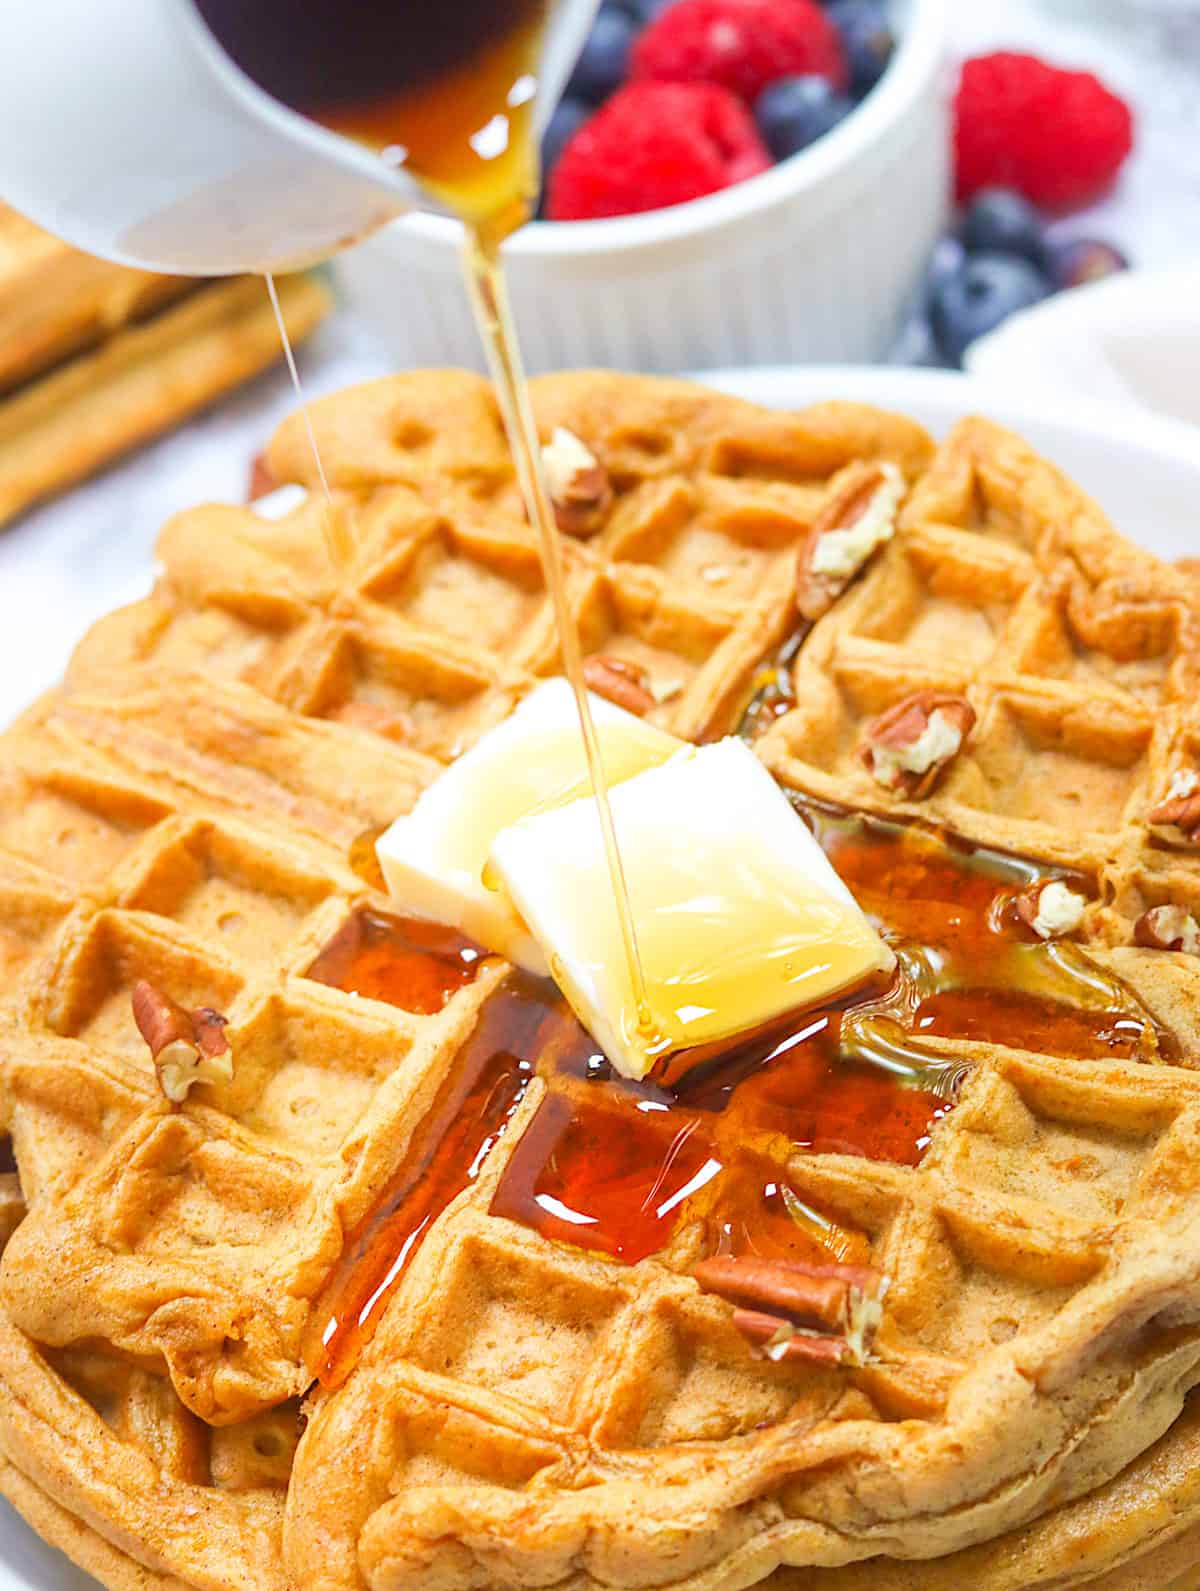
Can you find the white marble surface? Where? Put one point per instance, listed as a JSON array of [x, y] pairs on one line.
[[76, 558]]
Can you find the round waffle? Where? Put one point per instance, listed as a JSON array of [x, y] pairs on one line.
[[521, 1407]]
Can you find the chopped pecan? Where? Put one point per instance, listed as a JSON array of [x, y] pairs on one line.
[[1050, 908], [1168, 928], [262, 482], [796, 1310], [849, 529], [186, 1046], [1180, 807], [780, 1339], [577, 482], [623, 683], [908, 748]]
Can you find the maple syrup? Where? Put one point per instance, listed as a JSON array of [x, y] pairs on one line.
[[771, 691], [363, 858], [446, 91], [450, 97], [523, 1023], [335, 527], [607, 1164], [494, 315], [969, 970], [616, 1166], [403, 961]]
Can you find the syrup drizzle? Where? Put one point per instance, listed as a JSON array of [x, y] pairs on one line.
[[458, 113], [620, 1168], [489, 292], [520, 1025], [771, 691], [335, 527]]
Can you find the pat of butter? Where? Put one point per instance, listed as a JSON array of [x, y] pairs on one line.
[[434, 857], [739, 916]]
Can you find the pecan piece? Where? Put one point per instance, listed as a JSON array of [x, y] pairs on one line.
[[1180, 807], [780, 1339], [262, 482], [577, 482], [186, 1046], [623, 683], [1050, 908], [795, 1310], [1168, 928], [849, 529], [909, 747]]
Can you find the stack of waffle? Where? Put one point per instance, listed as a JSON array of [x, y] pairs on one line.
[[185, 812], [96, 358]]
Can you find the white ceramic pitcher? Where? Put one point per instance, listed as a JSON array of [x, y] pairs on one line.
[[127, 130]]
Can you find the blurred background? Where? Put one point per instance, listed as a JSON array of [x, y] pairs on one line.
[[794, 201]]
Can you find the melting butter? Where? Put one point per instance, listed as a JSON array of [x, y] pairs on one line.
[[740, 917], [435, 859]]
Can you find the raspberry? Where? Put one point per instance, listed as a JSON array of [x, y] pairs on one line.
[[652, 145], [741, 44], [1058, 137]]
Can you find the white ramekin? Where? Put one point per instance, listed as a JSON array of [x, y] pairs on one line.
[[814, 260]]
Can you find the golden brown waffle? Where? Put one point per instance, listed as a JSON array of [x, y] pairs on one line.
[[529, 1412]]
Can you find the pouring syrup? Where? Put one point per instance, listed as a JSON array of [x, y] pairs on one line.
[[452, 100], [608, 1165]]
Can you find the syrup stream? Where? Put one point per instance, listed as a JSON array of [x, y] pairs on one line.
[[493, 313], [338, 541]]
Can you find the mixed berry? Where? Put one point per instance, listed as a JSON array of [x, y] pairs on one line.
[[1002, 257], [675, 99], [1031, 141]]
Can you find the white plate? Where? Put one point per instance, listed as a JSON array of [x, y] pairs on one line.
[[1131, 339], [1145, 473]]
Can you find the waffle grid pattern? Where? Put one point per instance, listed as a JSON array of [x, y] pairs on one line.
[[1078, 654], [528, 1413]]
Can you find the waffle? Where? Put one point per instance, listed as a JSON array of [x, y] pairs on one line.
[[193, 808], [96, 358]]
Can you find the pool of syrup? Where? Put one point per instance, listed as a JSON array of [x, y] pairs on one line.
[[518, 1028], [617, 1167], [405, 962]]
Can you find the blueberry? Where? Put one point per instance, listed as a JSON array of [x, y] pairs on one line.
[[600, 69], [914, 342], [972, 301], [793, 112], [999, 221], [867, 39], [945, 261], [643, 11], [567, 117], [1077, 261]]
